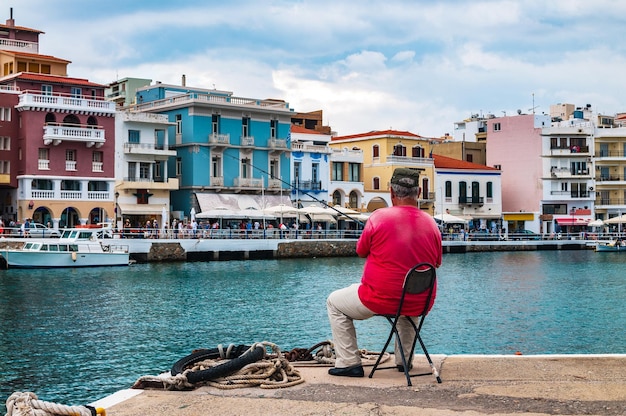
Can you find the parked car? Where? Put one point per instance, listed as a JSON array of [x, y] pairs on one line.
[[37, 230], [524, 235]]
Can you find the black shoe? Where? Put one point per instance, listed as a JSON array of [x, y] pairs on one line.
[[354, 371], [400, 367]]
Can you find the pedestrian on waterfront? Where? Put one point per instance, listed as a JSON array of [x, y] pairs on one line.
[[393, 240]]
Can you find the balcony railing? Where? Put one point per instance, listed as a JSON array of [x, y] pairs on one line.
[[609, 153], [247, 140], [274, 183], [471, 200], [148, 149], [610, 178], [89, 135], [307, 185], [408, 160], [19, 45], [277, 143], [303, 147], [97, 167], [37, 100], [216, 138], [217, 181], [43, 164], [73, 195], [248, 182], [70, 165]]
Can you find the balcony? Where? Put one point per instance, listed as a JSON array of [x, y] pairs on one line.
[[567, 172], [210, 99], [59, 102], [148, 149], [247, 141], [274, 143], [217, 181], [55, 135], [218, 140], [610, 178], [274, 183], [570, 151], [19, 46], [306, 186], [248, 182], [70, 165], [41, 194], [471, 200], [305, 147], [408, 161], [131, 183], [97, 167]]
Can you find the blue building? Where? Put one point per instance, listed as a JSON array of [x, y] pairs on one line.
[[232, 152]]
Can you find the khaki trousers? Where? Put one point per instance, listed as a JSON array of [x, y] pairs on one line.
[[344, 306]]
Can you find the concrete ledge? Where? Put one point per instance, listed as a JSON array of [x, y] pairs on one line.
[[472, 385]]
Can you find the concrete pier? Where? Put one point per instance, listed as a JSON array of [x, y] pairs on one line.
[[472, 385]]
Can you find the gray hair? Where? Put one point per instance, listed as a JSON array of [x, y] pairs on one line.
[[402, 192]]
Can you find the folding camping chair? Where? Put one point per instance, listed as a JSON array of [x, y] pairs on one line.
[[419, 279]]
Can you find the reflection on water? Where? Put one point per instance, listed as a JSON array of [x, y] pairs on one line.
[[73, 336]]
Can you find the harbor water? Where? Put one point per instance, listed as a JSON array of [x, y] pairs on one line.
[[73, 336]]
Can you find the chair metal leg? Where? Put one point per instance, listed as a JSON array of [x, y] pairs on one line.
[[382, 352], [430, 361]]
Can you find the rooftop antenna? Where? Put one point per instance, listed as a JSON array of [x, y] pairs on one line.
[[534, 106]]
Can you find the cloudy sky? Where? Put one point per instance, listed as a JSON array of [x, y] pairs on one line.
[[411, 65]]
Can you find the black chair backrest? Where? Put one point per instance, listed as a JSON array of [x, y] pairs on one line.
[[420, 278]]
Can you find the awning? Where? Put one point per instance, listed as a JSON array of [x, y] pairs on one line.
[[572, 221], [521, 216], [141, 209], [236, 202]]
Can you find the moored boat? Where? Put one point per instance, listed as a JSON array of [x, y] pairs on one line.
[[77, 247], [618, 245]]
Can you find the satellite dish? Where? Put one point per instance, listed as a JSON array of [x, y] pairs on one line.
[[519, 112]]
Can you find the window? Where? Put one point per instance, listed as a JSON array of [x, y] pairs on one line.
[[132, 171], [46, 89], [297, 167], [76, 92], [425, 188], [399, 150], [216, 166], [96, 162], [245, 127], [448, 191], [157, 170], [179, 123], [489, 189], [245, 167], [274, 168], [469, 158], [417, 151], [375, 151], [133, 136], [579, 168], [315, 172], [179, 167], [337, 198], [5, 143], [144, 171], [5, 167], [70, 159], [354, 172], [462, 192], [273, 129], [376, 183], [497, 127], [5, 114], [215, 124], [337, 171], [45, 68]]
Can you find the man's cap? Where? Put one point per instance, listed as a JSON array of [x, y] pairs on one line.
[[409, 178]]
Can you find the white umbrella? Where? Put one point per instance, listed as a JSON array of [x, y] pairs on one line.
[[192, 214], [281, 210], [595, 223], [450, 219], [319, 213], [616, 220]]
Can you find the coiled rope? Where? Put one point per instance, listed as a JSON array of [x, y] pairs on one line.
[[275, 370], [27, 404]]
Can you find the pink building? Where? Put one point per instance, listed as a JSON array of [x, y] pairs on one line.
[[514, 145]]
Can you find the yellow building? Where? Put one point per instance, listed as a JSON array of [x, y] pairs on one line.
[[384, 151]]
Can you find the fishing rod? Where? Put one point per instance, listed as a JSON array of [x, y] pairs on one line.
[[297, 189]]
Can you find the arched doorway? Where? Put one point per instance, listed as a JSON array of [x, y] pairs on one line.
[[97, 215], [69, 218], [43, 216], [376, 203]]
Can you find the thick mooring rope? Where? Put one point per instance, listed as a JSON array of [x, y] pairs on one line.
[[27, 404]]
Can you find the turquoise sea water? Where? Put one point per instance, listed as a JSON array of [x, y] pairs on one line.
[[75, 336]]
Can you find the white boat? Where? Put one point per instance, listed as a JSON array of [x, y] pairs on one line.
[[77, 247], [611, 246]]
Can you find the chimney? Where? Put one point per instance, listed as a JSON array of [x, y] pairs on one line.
[[184, 81], [10, 21]]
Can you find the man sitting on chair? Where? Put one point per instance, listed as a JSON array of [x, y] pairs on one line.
[[394, 240]]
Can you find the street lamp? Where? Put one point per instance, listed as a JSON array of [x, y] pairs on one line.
[[117, 195]]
